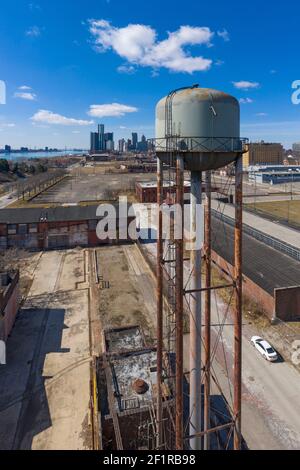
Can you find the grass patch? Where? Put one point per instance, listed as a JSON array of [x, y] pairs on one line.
[[288, 211]]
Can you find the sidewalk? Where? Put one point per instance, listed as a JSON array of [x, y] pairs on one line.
[[285, 234]]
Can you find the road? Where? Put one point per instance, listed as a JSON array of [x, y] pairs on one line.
[[7, 199]]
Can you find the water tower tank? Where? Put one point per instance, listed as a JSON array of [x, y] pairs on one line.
[[200, 123]]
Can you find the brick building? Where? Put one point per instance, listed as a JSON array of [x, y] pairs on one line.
[[263, 153], [9, 302], [146, 191], [52, 228]]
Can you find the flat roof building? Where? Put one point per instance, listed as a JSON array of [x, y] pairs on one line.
[[263, 153]]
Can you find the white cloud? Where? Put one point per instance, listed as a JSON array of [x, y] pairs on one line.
[[48, 117], [25, 96], [34, 6], [113, 110], [224, 35], [261, 114], [127, 69], [75, 132], [24, 87], [33, 32], [245, 85], [138, 44], [246, 100]]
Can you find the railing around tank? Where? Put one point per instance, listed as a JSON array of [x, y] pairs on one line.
[[199, 144]]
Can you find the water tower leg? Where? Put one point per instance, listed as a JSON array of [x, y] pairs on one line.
[[179, 303], [207, 312], [238, 302], [195, 317], [159, 276]]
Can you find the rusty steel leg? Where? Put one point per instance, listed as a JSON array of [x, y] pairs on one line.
[[179, 301], [159, 275], [238, 302], [207, 309], [195, 314]]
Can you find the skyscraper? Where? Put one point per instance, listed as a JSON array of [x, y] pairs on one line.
[[134, 140], [94, 141], [101, 137]]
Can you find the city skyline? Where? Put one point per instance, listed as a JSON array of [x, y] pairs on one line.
[[113, 62]]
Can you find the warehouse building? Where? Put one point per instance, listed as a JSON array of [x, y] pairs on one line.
[[146, 191], [271, 279], [53, 228], [9, 302]]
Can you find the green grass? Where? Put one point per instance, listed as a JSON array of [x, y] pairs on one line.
[[288, 211]]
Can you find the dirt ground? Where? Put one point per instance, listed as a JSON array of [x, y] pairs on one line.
[[128, 301], [82, 187]]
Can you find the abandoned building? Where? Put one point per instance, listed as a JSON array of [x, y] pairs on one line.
[[54, 228], [9, 302], [128, 371]]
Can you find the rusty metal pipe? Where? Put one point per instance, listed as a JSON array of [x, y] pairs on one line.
[[196, 314], [237, 405], [207, 308], [159, 277], [179, 302]]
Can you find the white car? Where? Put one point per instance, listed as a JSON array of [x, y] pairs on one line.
[[265, 349]]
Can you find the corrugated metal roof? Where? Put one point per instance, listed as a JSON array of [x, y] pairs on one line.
[[265, 266], [53, 214]]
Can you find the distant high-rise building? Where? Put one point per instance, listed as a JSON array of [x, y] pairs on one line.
[[7, 148], [142, 145], [121, 145], [94, 142], [263, 153], [296, 147], [128, 145], [109, 141], [134, 141], [101, 137]]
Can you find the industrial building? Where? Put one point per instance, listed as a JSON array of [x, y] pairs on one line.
[[274, 174], [146, 191], [263, 153], [9, 302], [128, 371], [269, 276], [52, 228]]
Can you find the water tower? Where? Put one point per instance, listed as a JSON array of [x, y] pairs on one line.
[[197, 130]]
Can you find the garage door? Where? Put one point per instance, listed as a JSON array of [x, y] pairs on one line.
[[58, 241]]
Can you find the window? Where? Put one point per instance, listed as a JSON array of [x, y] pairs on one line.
[[33, 228], [12, 229], [22, 229]]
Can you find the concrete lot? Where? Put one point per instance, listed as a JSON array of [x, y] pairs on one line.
[[45, 386], [91, 187]]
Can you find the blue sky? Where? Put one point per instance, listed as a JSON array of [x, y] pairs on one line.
[[69, 65]]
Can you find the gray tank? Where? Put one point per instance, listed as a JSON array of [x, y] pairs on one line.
[[200, 123]]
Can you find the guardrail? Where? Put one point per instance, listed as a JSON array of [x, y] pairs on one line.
[[278, 245]]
